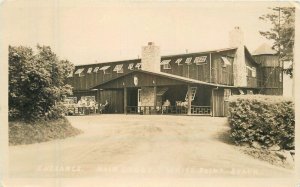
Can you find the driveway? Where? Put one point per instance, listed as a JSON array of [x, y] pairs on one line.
[[140, 146]]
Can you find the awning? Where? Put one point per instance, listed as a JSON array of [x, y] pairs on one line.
[[200, 59], [78, 71], [104, 68], [164, 62], [118, 67], [226, 61]]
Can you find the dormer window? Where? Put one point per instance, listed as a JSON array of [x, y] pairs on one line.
[[96, 69], [226, 62], [166, 64], [188, 61], [138, 65], [199, 60], [104, 68], [90, 70], [131, 66], [178, 61], [119, 68], [79, 72]]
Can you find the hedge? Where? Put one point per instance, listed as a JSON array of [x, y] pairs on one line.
[[266, 120]]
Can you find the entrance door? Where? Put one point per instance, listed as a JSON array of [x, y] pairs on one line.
[[139, 99]]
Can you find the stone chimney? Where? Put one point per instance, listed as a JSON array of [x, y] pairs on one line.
[[236, 39], [151, 58]]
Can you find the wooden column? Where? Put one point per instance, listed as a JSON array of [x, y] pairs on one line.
[[155, 98], [189, 100], [125, 100]]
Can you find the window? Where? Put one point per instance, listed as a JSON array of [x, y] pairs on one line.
[[178, 61], [130, 66], [96, 69], [226, 62], [227, 93], [200, 60], [138, 65], [166, 64], [188, 60], [119, 68], [89, 70], [254, 72], [79, 72], [280, 77], [104, 68]]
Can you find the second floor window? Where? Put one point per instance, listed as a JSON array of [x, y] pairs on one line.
[[166, 64], [119, 68]]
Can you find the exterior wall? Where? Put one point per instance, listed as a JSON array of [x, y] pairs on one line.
[[271, 75], [211, 70], [115, 99], [151, 58], [236, 39], [147, 96], [88, 80]]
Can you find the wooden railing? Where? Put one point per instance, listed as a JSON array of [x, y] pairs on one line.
[[149, 110], [200, 110]]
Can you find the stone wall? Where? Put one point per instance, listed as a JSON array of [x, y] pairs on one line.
[[147, 96], [236, 39], [151, 58]]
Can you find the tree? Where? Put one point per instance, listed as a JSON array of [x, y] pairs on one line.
[[282, 33], [36, 82]]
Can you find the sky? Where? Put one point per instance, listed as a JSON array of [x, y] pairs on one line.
[[90, 31]]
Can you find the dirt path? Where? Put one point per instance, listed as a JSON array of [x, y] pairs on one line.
[[140, 146]]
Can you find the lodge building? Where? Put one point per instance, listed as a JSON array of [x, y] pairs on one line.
[[193, 83]]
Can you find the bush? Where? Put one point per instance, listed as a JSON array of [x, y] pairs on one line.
[[57, 111], [21, 132], [267, 120], [37, 80]]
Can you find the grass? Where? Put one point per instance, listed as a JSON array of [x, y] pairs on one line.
[[28, 133]]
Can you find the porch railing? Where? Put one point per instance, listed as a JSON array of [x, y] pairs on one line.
[[149, 110]]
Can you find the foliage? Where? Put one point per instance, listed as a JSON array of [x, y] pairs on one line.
[[40, 131], [36, 81], [267, 120], [282, 33]]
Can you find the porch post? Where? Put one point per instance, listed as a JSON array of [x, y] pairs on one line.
[[155, 99], [189, 100], [125, 100]]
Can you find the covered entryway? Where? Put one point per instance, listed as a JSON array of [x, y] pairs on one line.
[[146, 92]]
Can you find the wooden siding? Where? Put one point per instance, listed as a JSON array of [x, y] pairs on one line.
[[252, 81], [202, 72], [271, 84], [267, 60], [143, 80], [218, 102], [115, 99], [88, 80]]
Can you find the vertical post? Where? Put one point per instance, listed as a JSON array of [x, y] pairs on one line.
[[125, 100], [189, 100], [155, 98], [210, 67]]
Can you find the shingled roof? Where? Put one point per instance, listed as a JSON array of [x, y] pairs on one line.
[[264, 49]]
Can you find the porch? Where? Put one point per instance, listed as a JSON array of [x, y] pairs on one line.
[[148, 93]]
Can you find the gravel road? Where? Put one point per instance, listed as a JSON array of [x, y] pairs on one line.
[[141, 146]]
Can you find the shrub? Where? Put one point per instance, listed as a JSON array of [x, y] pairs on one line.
[[37, 80], [267, 120]]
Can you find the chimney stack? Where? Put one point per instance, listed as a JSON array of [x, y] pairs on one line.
[[150, 57], [236, 39]]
